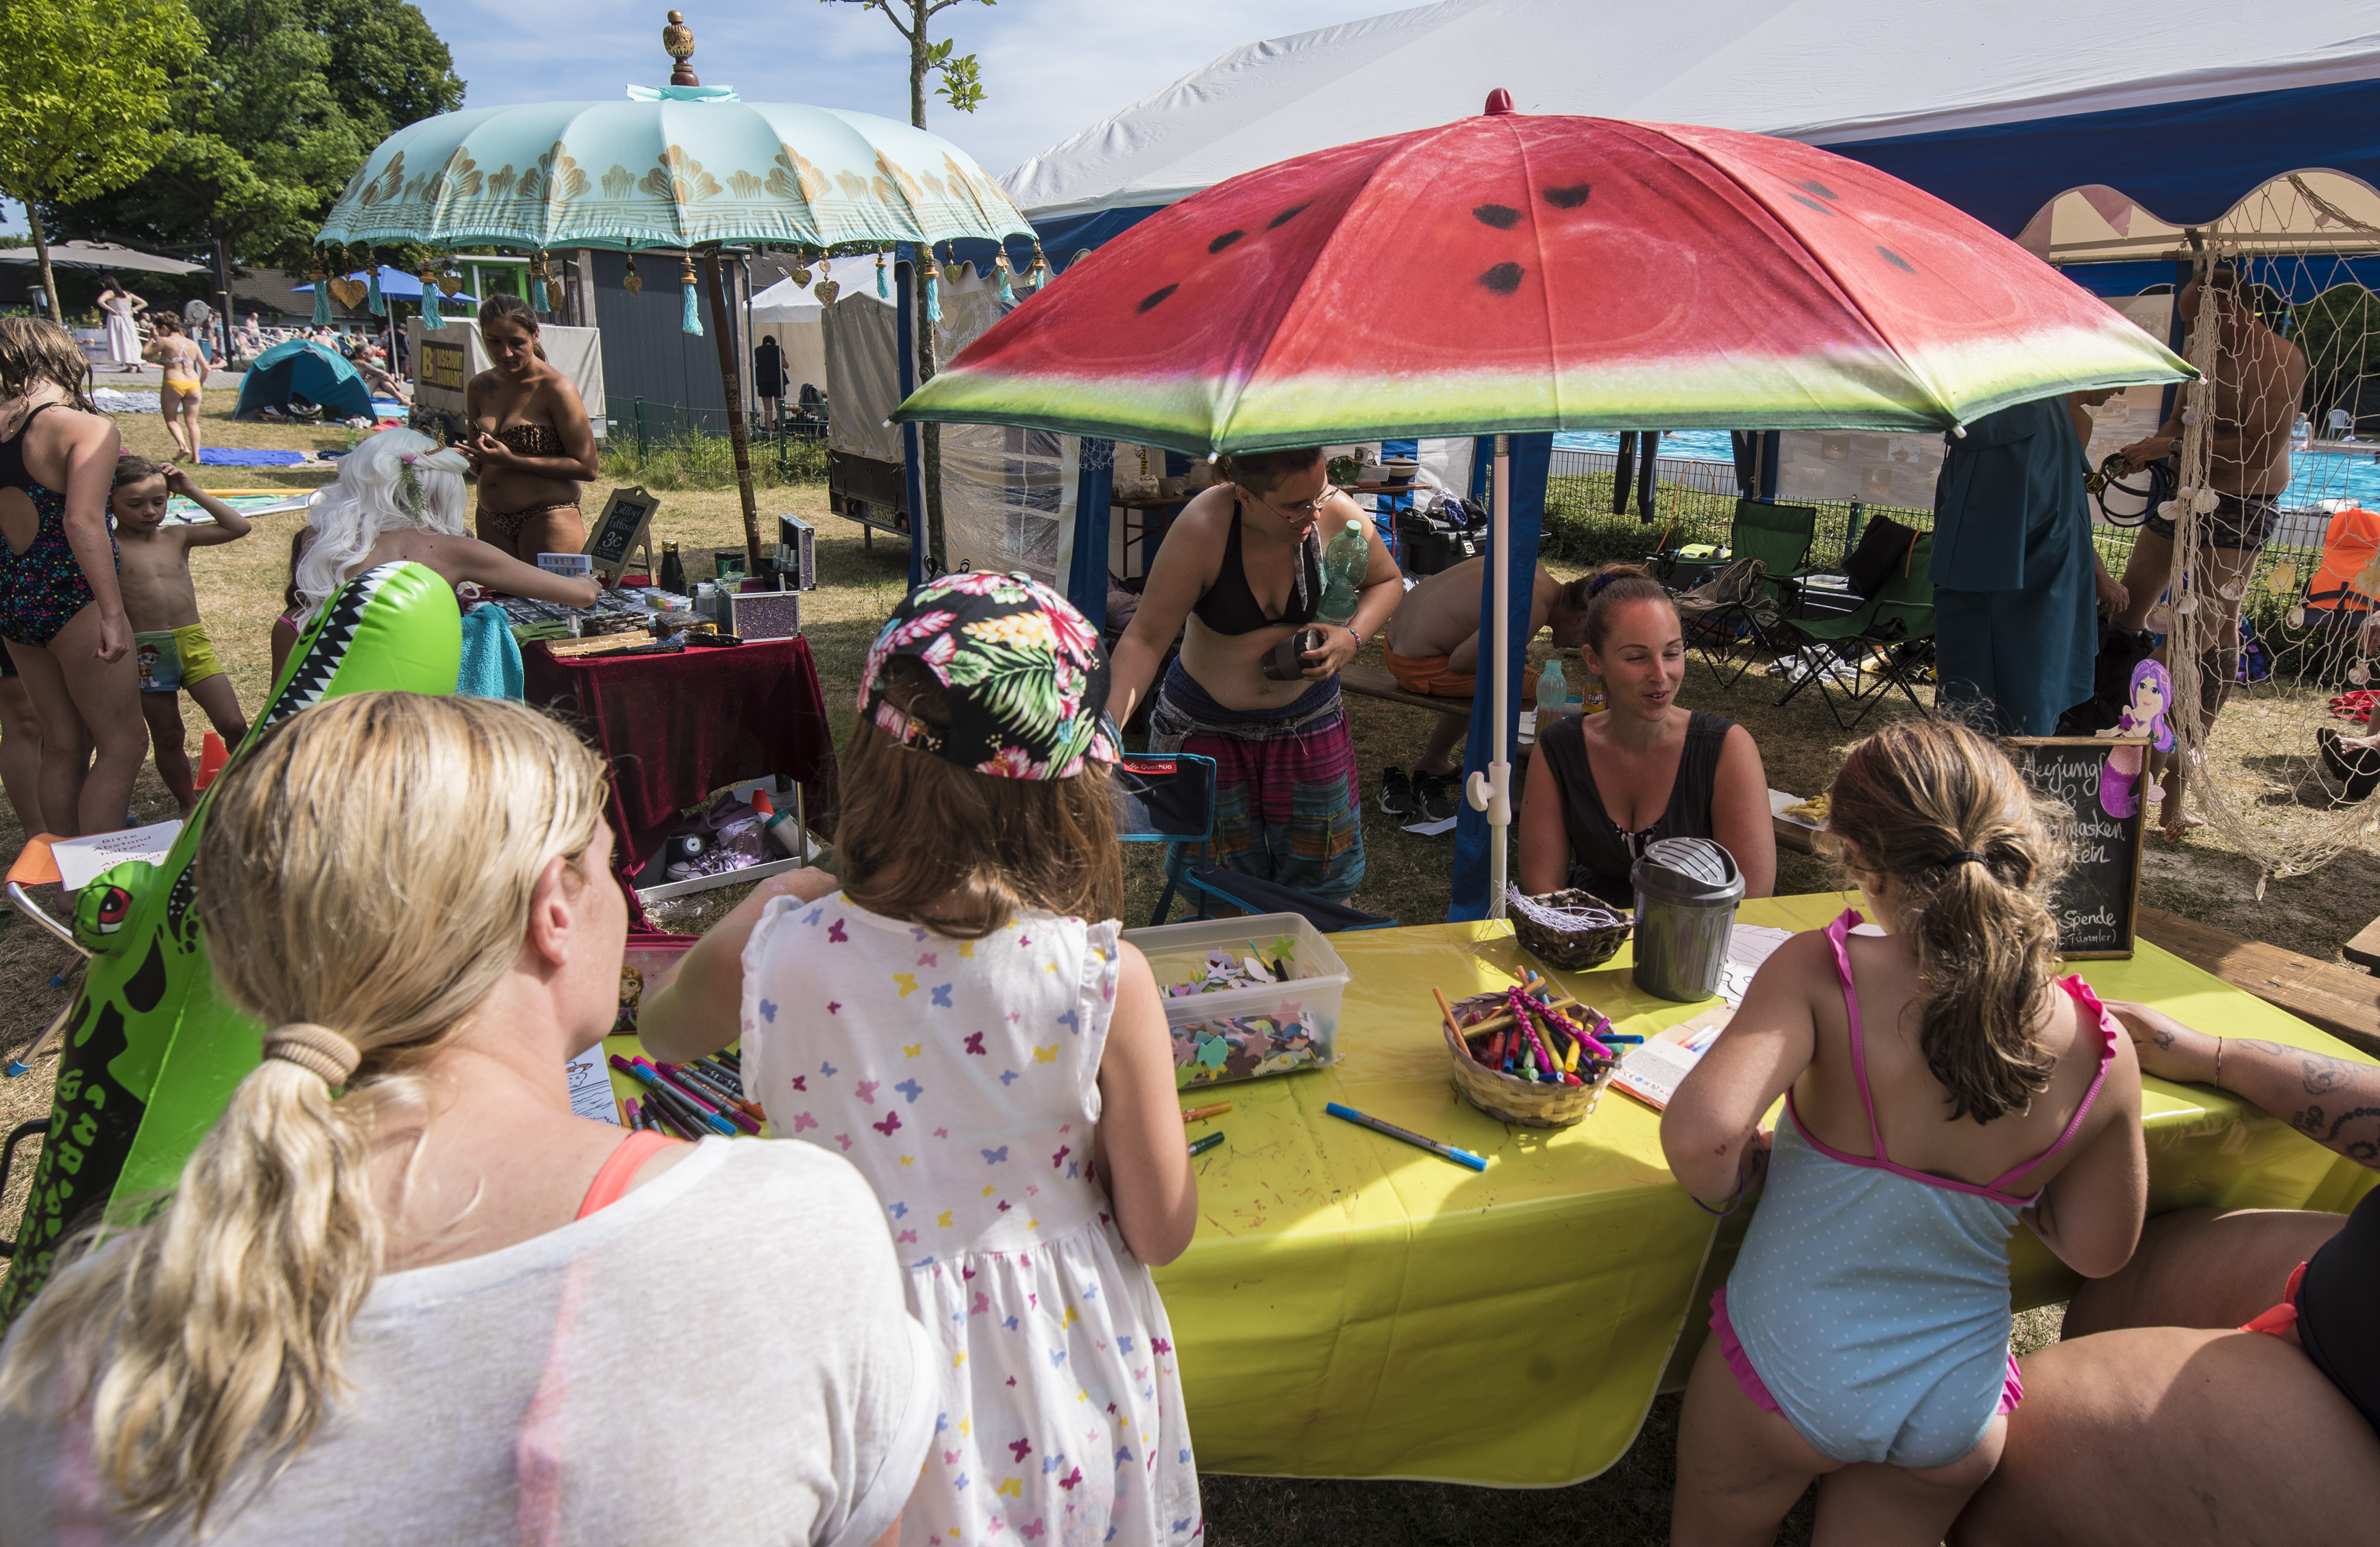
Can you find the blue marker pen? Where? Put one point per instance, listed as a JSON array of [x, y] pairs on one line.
[[1448, 1152]]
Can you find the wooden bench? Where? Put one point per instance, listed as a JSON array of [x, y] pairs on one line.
[[1375, 683], [2365, 949], [2345, 1004]]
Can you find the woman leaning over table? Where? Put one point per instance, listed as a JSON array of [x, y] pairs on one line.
[[402, 1292], [1605, 786], [2224, 1387]]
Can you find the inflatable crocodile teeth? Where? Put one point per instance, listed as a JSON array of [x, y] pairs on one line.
[[153, 1053]]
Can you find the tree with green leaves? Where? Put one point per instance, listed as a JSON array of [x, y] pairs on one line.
[[962, 87], [271, 121], [87, 88], [2339, 333]]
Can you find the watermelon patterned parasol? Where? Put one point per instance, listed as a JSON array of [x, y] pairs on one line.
[[1518, 273], [1511, 273]]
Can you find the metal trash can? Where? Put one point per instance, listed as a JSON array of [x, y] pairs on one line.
[[1686, 893]]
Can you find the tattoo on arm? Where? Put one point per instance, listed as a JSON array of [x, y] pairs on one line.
[[2325, 1129]]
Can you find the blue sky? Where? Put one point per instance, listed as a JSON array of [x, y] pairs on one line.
[[1049, 67]]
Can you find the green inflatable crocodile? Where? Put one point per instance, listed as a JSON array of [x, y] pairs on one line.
[[153, 1053]]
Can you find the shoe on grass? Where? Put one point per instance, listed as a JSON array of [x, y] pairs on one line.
[[1397, 793], [1436, 793]]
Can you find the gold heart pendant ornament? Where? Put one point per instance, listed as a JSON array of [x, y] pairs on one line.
[[350, 293]]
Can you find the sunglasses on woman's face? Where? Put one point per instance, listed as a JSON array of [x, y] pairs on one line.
[[1301, 508]]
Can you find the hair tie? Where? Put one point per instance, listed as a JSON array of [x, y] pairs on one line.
[[1595, 587], [316, 1049]]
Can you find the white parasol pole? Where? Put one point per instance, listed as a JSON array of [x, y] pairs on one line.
[[1492, 792]]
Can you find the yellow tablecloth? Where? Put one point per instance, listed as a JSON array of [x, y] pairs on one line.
[[1354, 1307]]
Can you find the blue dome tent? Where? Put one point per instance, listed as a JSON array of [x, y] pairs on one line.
[[301, 368]]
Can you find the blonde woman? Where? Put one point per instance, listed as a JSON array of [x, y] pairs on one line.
[[389, 1292]]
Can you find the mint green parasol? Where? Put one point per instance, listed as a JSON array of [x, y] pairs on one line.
[[680, 168]]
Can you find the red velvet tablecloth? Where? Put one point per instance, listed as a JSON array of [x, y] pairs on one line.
[[675, 727]]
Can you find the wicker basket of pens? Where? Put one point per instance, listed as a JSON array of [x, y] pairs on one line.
[[1570, 929], [1529, 1055]]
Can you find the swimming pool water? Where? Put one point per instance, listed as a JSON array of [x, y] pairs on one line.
[[2314, 475]]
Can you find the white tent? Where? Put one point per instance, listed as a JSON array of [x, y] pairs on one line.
[[2186, 106], [790, 314]]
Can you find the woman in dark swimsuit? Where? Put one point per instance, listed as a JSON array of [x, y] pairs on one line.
[[1605, 786], [1240, 570], [60, 611], [531, 443]]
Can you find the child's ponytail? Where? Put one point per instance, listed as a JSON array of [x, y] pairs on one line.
[[1947, 815]]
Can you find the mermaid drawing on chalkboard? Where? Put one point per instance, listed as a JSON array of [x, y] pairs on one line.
[[2121, 780]]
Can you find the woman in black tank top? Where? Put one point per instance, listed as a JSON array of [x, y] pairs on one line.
[[1667, 772]]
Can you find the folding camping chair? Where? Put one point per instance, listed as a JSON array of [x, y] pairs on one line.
[[1890, 636], [1169, 800], [1779, 536]]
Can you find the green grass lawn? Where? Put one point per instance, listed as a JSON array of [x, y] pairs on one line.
[[240, 590]]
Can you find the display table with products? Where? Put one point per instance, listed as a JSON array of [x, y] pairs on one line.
[[1354, 1307], [674, 727]]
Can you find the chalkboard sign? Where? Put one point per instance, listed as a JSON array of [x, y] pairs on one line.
[[2099, 899], [619, 531]]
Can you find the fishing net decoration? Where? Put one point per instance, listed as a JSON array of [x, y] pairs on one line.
[[2253, 772]]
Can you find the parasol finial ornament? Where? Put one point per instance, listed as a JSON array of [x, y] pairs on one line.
[[678, 38], [1500, 101]]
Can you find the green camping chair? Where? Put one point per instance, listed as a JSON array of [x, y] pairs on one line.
[[1892, 635], [1730, 634]]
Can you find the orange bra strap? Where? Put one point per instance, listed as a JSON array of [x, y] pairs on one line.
[[620, 1168]]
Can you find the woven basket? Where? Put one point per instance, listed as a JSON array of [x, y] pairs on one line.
[[1511, 1099], [1573, 948]]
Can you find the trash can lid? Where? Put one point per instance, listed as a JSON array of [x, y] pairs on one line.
[[1692, 866]]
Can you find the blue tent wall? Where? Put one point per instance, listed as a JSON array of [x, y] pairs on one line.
[[1532, 457], [2185, 162]]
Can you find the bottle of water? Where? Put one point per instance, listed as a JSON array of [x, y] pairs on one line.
[[1553, 695], [1344, 563]]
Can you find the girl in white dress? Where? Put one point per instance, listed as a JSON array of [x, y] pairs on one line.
[[995, 1062], [118, 304]]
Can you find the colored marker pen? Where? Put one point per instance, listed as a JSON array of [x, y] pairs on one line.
[[1448, 1152], [670, 1102], [1204, 1143], [1200, 1114]]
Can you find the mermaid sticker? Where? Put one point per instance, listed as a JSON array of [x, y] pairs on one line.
[[2121, 780]]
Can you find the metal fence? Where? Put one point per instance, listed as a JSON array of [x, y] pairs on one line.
[[691, 445]]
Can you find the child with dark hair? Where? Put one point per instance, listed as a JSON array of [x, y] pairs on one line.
[[962, 1021], [154, 567], [1928, 1074]]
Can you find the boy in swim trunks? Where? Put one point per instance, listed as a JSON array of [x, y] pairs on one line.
[[154, 568]]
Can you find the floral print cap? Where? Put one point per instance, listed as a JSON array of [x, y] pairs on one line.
[[1025, 671]]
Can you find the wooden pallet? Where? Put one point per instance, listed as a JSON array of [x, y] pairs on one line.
[[2344, 1003], [1375, 683]]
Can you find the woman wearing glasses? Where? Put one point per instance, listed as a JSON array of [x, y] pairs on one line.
[[1240, 571]]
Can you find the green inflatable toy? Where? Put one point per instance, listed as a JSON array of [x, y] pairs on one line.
[[154, 1054]]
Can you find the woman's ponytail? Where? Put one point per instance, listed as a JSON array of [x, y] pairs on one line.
[[1947, 815], [365, 876]]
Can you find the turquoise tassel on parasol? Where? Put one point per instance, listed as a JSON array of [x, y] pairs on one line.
[[430, 317], [884, 290], [375, 302], [692, 320], [1007, 292], [322, 297]]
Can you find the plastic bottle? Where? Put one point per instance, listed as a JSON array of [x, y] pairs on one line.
[[1344, 563], [1553, 695]]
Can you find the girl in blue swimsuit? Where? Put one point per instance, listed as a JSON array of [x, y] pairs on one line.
[[1941, 1084]]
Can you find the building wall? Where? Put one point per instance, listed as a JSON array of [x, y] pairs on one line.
[[646, 352]]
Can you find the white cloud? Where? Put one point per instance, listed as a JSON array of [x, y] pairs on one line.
[[1049, 67]]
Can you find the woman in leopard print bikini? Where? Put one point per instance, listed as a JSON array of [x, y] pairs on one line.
[[531, 443]]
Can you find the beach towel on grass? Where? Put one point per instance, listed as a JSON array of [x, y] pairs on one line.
[[232, 456]]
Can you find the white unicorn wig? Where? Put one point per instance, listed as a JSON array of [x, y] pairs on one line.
[[396, 479]]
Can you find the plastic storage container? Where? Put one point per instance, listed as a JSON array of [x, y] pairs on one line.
[[1245, 1034]]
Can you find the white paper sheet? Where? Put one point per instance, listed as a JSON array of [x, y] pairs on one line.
[[591, 1086], [1747, 946], [1651, 1073], [81, 859]]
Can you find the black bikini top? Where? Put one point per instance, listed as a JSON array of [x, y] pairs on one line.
[[12, 455], [1229, 607]]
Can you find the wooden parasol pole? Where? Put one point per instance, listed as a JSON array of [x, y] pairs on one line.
[[723, 326]]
